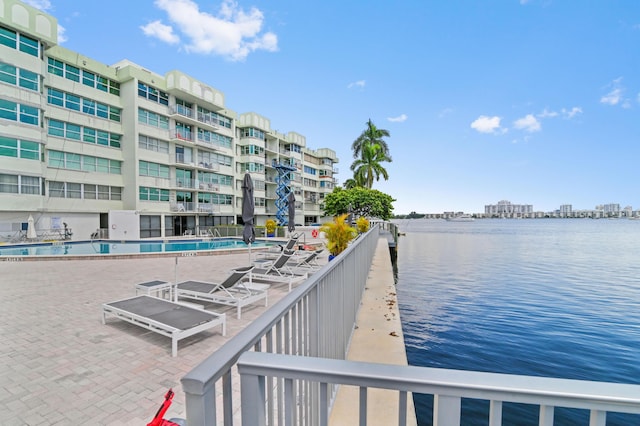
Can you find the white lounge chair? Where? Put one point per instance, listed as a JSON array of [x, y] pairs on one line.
[[275, 251], [164, 317], [236, 290], [305, 261], [278, 271]]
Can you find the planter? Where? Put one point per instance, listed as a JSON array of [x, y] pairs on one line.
[[271, 234], [331, 257]]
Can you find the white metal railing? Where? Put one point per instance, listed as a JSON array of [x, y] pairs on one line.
[[315, 319], [447, 386]]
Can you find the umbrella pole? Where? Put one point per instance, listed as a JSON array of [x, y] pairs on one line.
[[175, 282]]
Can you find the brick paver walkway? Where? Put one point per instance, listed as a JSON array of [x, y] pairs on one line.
[[60, 365]]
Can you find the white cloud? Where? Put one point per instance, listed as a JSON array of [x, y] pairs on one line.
[[485, 124], [359, 83], [445, 112], [571, 112], [39, 4], [547, 114], [233, 33], [160, 31], [61, 34], [528, 123], [399, 119], [615, 95]]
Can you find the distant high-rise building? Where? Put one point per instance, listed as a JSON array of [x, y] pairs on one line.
[[566, 210], [506, 209]]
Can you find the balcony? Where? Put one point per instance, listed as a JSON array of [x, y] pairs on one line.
[[182, 206], [190, 116], [209, 166], [181, 135], [208, 187]]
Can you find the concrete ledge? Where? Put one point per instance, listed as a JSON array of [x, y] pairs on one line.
[[377, 338]]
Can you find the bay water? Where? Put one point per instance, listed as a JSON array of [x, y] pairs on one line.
[[539, 297]]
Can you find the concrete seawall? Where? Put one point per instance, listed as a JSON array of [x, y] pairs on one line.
[[378, 338]]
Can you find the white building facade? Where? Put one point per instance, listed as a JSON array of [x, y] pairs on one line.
[[81, 140], [504, 208]]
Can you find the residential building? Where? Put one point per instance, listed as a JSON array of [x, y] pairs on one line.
[[504, 208], [84, 143]]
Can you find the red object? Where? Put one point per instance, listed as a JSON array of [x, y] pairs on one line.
[[314, 233], [158, 419]]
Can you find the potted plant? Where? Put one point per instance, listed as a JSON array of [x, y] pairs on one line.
[[362, 224], [338, 234], [270, 225]]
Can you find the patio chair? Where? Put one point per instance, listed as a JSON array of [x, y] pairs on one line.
[[274, 252], [306, 261], [278, 271], [236, 290]]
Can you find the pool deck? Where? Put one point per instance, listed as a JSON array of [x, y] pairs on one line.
[[60, 365]]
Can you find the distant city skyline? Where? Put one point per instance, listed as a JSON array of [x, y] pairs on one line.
[[606, 207], [534, 101]]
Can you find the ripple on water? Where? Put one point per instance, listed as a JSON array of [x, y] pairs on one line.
[[554, 298]]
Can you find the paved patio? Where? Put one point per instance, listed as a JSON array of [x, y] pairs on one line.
[[60, 365]]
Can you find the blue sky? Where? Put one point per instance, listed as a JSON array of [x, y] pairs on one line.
[[532, 101]]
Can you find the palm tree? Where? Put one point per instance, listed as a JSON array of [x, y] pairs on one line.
[[350, 184], [368, 166], [371, 136]]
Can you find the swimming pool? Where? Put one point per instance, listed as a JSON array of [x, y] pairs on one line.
[[105, 247]]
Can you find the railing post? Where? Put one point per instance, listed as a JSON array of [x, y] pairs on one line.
[[252, 400], [495, 413], [546, 415], [446, 410], [598, 418], [201, 409]]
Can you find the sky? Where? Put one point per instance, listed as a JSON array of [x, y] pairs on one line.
[[531, 101]]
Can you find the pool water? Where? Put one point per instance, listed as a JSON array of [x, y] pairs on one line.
[[125, 247]]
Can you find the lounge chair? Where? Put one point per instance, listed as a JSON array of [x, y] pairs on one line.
[[306, 261], [278, 271], [276, 250], [170, 319], [233, 291]]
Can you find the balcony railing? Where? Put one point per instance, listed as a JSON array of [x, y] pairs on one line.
[[447, 386], [316, 319], [181, 134]]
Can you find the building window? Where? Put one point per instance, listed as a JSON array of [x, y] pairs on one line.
[[82, 190], [30, 185], [71, 161], [153, 194], [153, 144], [87, 106], [152, 119], [9, 184], [252, 133], [85, 134], [29, 45], [214, 138], [19, 112], [19, 77], [19, 41], [153, 169], [152, 94], [8, 38]]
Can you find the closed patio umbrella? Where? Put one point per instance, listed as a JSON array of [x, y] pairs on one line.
[[248, 206], [291, 200], [31, 229]]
